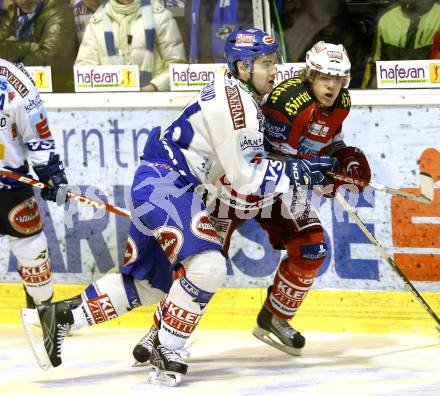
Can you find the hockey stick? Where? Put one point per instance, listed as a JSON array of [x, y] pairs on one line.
[[387, 257], [426, 187], [76, 197]]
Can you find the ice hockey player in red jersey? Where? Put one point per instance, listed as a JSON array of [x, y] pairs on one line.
[[303, 118]]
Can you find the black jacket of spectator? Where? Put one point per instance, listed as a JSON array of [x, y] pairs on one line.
[[52, 42]]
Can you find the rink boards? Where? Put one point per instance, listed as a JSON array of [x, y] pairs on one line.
[[100, 149], [367, 312]]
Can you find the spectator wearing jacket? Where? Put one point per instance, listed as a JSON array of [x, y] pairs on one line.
[[4, 4], [134, 32], [405, 31], [41, 33], [82, 12]]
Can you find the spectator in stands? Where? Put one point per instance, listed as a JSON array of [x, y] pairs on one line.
[[82, 11], [301, 23], [4, 4], [41, 33], [405, 31], [133, 32], [209, 22]]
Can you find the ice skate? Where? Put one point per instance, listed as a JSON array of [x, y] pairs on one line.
[[30, 304], [55, 320], [142, 350], [278, 333], [168, 366]]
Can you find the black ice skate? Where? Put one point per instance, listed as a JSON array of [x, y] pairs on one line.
[[55, 320], [278, 333], [142, 350], [168, 366]]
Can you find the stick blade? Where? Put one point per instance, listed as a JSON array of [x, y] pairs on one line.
[[427, 186]]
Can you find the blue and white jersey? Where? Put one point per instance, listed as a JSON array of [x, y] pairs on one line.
[[24, 126], [220, 136]]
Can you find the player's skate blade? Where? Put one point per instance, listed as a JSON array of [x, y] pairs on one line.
[[140, 364], [160, 377], [32, 326], [272, 340], [142, 350], [184, 353], [168, 366]]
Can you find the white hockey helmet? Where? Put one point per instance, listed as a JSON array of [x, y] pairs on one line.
[[328, 59]]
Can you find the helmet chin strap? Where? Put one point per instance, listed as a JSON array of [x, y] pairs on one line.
[[252, 86], [249, 83]]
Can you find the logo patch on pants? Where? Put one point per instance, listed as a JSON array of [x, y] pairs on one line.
[[202, 227], [131, 251], [25, 217], [170, 240]]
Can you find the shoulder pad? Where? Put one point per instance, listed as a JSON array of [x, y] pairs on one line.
[[344, 100], [16, 79], [290, 97], [282, 90], [20, 66]]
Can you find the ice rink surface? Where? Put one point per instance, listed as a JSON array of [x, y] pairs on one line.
[[97, 361]]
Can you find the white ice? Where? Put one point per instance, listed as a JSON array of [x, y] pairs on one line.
[[97, 361]]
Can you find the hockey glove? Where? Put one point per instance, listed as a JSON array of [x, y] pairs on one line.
[[311, 171], [53, 175], [354, 164]]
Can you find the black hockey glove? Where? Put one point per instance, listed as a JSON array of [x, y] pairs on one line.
[[311, 171], [53, 175]]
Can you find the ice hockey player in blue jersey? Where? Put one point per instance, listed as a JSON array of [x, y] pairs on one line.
[[26, 141], [220, 132]]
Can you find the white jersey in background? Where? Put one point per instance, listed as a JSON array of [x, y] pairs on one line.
[[220, 134], [24, 127]]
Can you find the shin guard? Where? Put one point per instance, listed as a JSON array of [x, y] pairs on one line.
[[182, 311], [106, 299], [34, 266], [296, 274]]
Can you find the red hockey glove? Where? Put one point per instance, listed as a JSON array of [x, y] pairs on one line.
[[354, 164]]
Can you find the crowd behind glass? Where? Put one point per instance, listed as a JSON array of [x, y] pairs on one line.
[[153, 34]]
